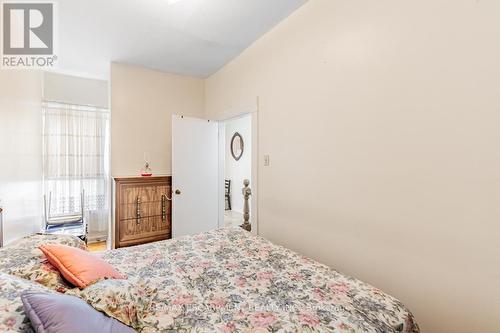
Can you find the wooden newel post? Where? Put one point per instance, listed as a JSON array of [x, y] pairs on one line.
[[247, 192]]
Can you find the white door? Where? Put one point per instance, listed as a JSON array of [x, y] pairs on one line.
[[195, 167]]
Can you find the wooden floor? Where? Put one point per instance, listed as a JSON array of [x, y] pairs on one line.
[[97, 247]]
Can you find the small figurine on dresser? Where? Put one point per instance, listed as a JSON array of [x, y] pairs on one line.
[[146, 171]]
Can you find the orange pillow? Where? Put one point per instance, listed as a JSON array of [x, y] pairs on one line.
[[79, 267]]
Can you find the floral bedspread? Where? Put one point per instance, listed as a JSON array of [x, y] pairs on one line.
[[25, 260], [229, 280], [23, 267]]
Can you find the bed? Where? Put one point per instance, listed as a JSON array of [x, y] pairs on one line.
[[229, 280]]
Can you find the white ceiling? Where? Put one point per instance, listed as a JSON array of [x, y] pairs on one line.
[[189, 37]]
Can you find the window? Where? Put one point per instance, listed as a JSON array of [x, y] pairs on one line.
[[76, 159]]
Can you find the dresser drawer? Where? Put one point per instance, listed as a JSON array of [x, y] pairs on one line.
[[140, 231], [145, 193], [129, 211]]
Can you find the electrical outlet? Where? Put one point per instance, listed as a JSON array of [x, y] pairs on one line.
[[266, 160]]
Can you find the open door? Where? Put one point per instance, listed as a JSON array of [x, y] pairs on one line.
[[195, 175]]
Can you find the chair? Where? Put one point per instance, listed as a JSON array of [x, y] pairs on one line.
[[72, 224], [228, 194]]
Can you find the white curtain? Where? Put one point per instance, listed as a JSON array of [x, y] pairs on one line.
[[75, 159]]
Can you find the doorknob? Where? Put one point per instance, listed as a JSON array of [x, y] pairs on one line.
[[177, 191]]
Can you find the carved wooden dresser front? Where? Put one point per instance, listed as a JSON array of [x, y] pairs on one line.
[[142, 210]]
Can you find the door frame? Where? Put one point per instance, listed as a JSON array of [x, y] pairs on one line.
[[253, 111]]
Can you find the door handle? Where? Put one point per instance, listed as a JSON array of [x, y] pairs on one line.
[[178, 192]]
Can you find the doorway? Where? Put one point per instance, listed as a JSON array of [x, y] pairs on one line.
[[237, 167], [200, 150]]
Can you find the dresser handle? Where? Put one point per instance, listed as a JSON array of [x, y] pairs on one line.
[[138, 210], [164, 199]]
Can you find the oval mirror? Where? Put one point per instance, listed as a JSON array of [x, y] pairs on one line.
[[237, 146]]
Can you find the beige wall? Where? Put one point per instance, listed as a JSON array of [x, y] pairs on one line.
[[75, 90], [21, 152], [382, 122], [142, 104]]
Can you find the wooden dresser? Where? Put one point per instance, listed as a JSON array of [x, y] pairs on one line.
[[142, 210]]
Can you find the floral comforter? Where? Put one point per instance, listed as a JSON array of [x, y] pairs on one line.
[[229, 280], [25, 260]]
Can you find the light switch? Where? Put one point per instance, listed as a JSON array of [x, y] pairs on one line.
[[266, 160]]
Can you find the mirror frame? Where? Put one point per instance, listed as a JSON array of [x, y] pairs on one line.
[[237, 158]]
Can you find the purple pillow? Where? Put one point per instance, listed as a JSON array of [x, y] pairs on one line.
[[57, 313]]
